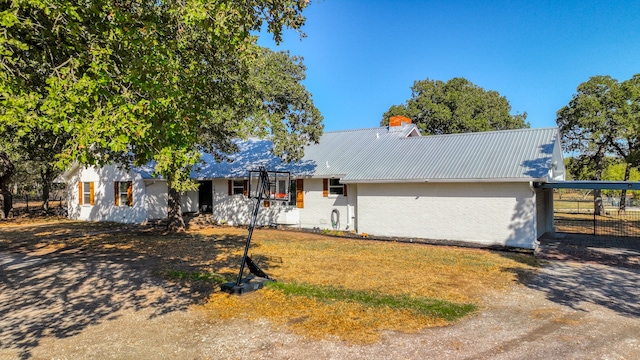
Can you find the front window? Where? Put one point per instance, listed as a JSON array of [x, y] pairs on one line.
[[335, 187], [238, 187], [123, 193], [281, 192], [86, 193]]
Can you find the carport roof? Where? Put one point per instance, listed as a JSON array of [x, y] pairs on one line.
[[589, 184]]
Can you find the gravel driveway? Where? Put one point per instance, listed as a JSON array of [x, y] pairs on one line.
[[80, 306]]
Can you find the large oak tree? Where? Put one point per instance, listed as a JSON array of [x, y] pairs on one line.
[[136, 81], [456, 106], [602, 119]]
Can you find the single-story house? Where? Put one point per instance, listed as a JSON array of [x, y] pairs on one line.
[[386, 181]]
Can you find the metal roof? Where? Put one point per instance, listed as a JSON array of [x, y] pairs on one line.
[[400, 154], [590, 185], [523, 154]]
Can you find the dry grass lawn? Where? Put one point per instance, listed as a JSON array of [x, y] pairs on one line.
[[446, 273], [212, 255]]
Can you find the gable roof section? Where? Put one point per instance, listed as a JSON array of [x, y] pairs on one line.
[[381, 155], [510, 155]]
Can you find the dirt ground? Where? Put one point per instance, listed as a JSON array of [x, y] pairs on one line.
[[84, 303]]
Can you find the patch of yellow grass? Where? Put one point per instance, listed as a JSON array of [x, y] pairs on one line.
[[447, 273], [348, 321]]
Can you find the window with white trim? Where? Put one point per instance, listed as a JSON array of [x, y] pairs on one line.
[[124, 195], [86, 193], [238, 187]]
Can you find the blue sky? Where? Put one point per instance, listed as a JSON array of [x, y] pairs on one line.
[[363, 56]]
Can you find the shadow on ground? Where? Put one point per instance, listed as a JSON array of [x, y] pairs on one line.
[[55, 283], [61, 296], [574, 285]]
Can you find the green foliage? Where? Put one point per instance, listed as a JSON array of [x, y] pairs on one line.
[[429, 307], [456, 106], [603, 117], [138, 81], [615, 172]]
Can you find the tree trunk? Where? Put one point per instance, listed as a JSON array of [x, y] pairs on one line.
[[598, 206], [6, 203], [46, 176], [6, 198], [623, 197], [175, 222]]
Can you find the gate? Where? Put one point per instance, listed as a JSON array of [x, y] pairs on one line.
[[574, 213]]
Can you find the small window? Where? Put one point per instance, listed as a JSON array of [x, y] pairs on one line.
[[86, 193], [238, 187], [335, 187], [123, 193]]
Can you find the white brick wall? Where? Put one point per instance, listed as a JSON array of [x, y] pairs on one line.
[[104, 208], [157, 200], [317, 209], [484, 213]]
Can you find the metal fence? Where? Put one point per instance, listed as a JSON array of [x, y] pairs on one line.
[[574, 213], [30, 199]]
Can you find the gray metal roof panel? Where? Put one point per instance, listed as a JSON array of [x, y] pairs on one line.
[[378, 154], [512, 154]]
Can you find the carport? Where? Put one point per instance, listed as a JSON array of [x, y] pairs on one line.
[[612, 224]]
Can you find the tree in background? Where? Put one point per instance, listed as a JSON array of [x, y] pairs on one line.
[[139, 81], [600, 119], [456, 106], [9, 158]]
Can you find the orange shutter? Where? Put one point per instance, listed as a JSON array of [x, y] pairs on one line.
[[267, 204], [345, 189], [130, 193], [245, 185], [325, 187], [91, 200], [116, 192], [230, 186], [300, 194], [80, 193]]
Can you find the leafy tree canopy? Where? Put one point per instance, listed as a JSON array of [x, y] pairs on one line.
[[456, 106], [600, 121], [135, 81]]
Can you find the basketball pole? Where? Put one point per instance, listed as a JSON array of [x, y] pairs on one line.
[[264, 183], [241, 286]]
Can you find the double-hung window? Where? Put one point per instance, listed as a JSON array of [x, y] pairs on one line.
[[238, 187], [123, 191], [85, 193], [335, 187]]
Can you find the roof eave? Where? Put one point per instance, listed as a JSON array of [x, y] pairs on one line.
[[484, 180]]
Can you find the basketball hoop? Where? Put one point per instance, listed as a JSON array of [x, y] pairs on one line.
[[263, 186]]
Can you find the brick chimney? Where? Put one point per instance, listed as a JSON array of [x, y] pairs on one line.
[[398, 120]]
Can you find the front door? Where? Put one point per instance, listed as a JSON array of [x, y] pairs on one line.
[[205, 196]]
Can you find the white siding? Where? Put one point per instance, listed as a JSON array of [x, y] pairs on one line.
[[104, 208], [315, 214], [483, 213], [238, 209], [189, 201], [544, 211], [157, 200]]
